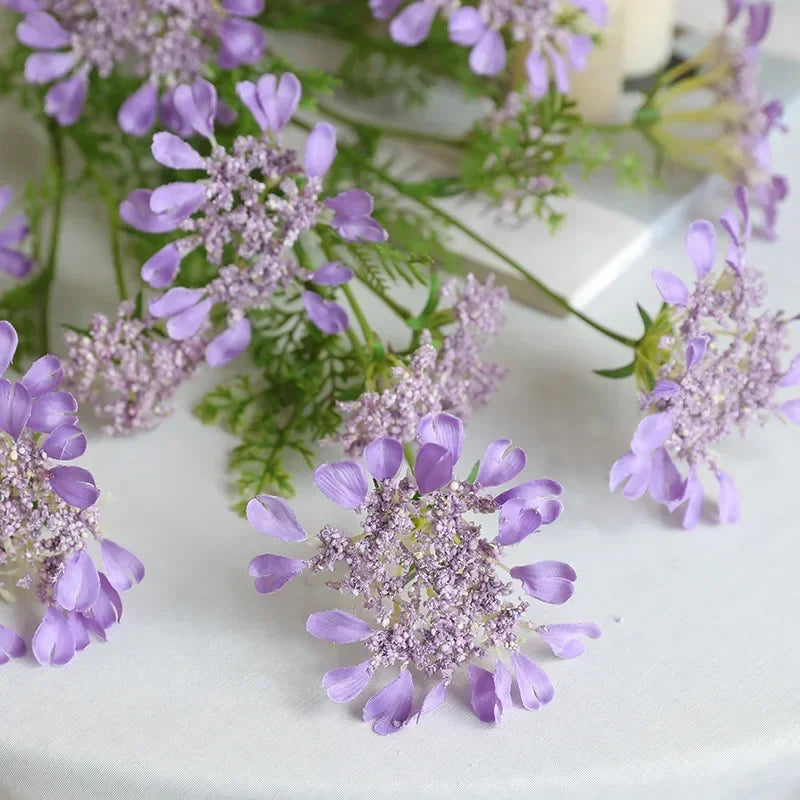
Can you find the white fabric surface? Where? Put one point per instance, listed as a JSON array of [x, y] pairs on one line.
[[209, 690]]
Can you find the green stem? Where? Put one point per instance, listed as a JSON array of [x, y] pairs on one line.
[[49, 270], [558, 299], [116, 250], [398, 308], [391, 131], [366, 330]]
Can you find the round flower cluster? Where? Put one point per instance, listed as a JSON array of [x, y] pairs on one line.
[[718, 369], [549, 29], [168, 42], [455, 378], [48, 517], [427, 577], [246, 213]]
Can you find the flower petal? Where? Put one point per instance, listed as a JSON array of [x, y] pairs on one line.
[[41, 31], [383, 457], [15, 408], [230, 344], [241, 42], [65, 100], [187, 323], [8, 345], [701, 246], [52, 643], [334, 273], [343, 482], [137, 115], [12, 645], [65, 443], [171, 151], [123, 568], [413, 24], [502, 688], [433, 699], [538, 76], [244, 8], [274, 572], [548, 581], [729, 501], [483, 698], [442, 429], [352, 203], [466, 26], [535, 688], [47, 67], [197, 106], [346, 683], [108, 608], [51, 410], [79, 585], [666, 484], [672, 289], [174, 301], [791, 410], [320, 149], [177, 198], [488, 56], [161, 268], [135, 210], [652, 432], [273, 516], [563, 637], [74, 485], [636, 469], [517, 521], [337, 626], [326, 315], [433, 467], [530, 490], [44, 376], [391, 706], [500, 463], [792, 375]]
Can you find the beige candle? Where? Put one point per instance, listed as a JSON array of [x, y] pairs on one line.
[[648, 35], [598, 88]]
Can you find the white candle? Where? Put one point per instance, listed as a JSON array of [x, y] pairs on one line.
[[648, 35], [598, 88]]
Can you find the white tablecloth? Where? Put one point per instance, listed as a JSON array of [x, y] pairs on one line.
[[209, 690]]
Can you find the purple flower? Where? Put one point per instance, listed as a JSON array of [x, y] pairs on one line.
[[352, 217], [432, 597], [455, 378], [165, 40], [555, 33], [12, 260], [48, 515], [718, 367]]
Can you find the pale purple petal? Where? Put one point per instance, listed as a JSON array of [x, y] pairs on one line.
[[538, 76], [108, 608], [671, 288], [274, 572], [578, 49], [12, 645], [122, 567], [65, 100], [433, 699], [502, 688], [138, 113], [178, 197], [6, 195], [734, 9], [548, 581], [244, 8], [560, 71], [483, 698], [652, 432], [171, 117], [44, 376], [696, 351], [549, 510], [320, 149], [80, 636], [517, 521], [346, 683], [230, 344], [760, 17], [15, 231], [52, 643], [535, 688], [359, 229], [174, 301], [352, 203], [248, 94], [791, 410], [41, 31], [287, 99], [47, 67], [14, 263], [664, 389], [701, 245], [79, 585], [442, 429], [135, 210], [15, 408], [334, 273], [383, 9], [65, 443], [241, 42], [187, 323], [337, 626], [693, 497], [730, 222], [488, 56], [51, 410], [729, 501], [636, 470], [666, 484], [383, 457], [343, 482], [171, 151], [466, 26], [530, 490], [563, 637], [433, 467], [413, 24], [273, 516], [197, 106], [327, 315], [792, 376], [391, 706], [596, 10], [161, 268], [74, 485], [500, 464]]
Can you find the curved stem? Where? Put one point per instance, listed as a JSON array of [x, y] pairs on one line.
[[49, 270], [366, 330], [116, 253]]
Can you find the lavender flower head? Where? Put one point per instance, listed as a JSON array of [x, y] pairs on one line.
[[48, 516], [127, 370], [167, 42], [246, 212], [455, 378], [13, 261], [717, 358], [550, 30], [730, 133], [427, 578]]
